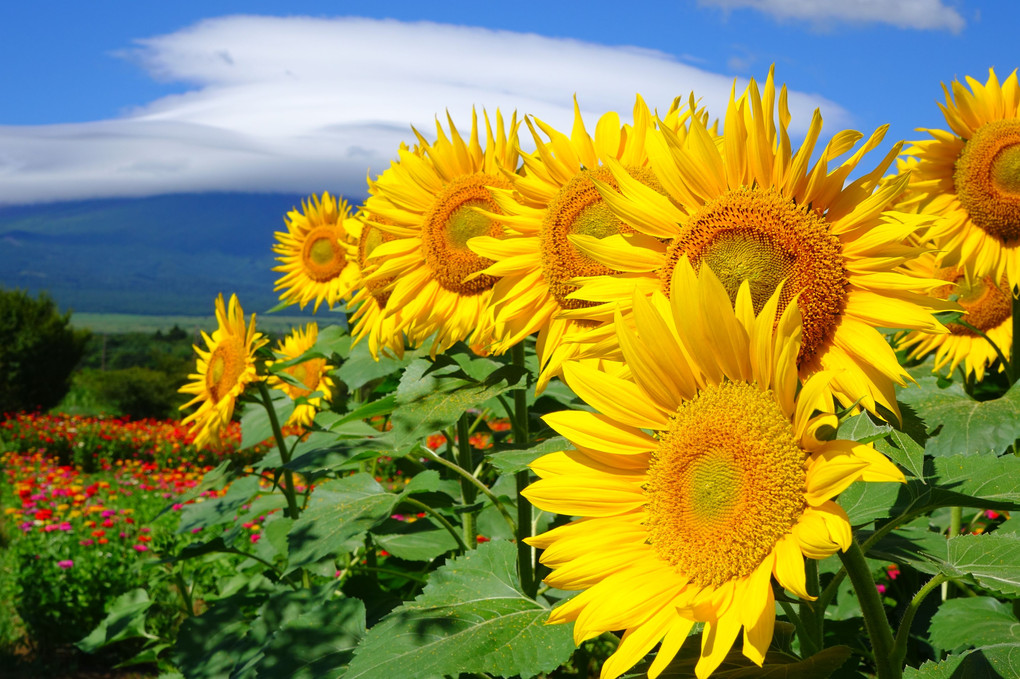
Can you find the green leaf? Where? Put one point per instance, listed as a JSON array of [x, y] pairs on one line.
[[977, 621], [338, 515], [255, 426], [777, 665], [471, 617], [219, 510], [360, 368], [311, 635], [863, 428], [959, 425], [438, 410], [126, 620], [990, 560], [513, 461], [420, 540], [216, 643], [983, 482], [333, 339], [1001, 661], [904, 451], [865, 502]]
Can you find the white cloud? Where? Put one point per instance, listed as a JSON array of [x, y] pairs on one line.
[[916, 14], [302, 104]]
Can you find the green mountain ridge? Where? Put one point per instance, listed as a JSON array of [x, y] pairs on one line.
[[162, 255]]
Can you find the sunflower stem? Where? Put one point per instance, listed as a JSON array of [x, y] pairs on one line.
[[440, 518], [875, 621], [525, 554], [811, 617], [903, 633], [426, 453], [468, 491], [288, 476], [807, 643]]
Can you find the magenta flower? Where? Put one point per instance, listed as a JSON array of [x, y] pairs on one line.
[[65, 564]]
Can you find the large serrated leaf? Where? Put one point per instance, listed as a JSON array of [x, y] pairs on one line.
[[959, 425], [984, 482], [472, 617], [991, 560], [126, 620], [513, 461], [991, 662], [438, 410], [224, 509], [338, 515], [255, 424], [976, 621], [312, 637]]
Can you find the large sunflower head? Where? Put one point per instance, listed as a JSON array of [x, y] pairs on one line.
[[224, 368], [987, 307], [554, 201], [699, 478], [313, 374], [432, 201], [752, 208], [316, 253], [971, 175]]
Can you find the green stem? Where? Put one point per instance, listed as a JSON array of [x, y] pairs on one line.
[[875, 621], [903, 633], [1011, 367], [803, 633], [425, 452], [182, 587], [468, 492], [288, 476], [440, 518], [525, 553], [955, 521], [808, 613]]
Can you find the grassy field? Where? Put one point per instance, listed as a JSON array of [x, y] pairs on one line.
[[122, 323]]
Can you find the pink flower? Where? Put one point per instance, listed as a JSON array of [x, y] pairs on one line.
[[881, 589], [65, 526], [141, 548], [177, 506], [65, 564], [86, 543], [255, 537]]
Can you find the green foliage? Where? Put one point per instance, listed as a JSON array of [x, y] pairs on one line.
[[136, 392], [1001, 661], [38, 352], [970, 622], [471, 617]]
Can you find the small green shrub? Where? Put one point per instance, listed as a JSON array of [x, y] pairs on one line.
[[38, 352]]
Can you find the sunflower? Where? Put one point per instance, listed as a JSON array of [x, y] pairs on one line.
[[371, 318], [315, 253], [987, 306], [224, 369], [971, 174], [432, 200], [313, 374], [754, 210], [732, 486], [554, 200]]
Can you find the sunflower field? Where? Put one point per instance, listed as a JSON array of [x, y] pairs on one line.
[[675, 398]]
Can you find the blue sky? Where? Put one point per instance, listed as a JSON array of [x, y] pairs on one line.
[[113, 98]]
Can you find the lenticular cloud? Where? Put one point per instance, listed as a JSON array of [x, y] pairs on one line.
[[291, 104]]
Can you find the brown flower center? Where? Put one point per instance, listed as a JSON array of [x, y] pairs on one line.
[[987, 179], [755, 235], [451, 222]]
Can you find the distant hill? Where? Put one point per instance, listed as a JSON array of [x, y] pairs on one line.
[[160, 255]]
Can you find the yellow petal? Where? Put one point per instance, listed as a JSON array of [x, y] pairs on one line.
[[598, 432]]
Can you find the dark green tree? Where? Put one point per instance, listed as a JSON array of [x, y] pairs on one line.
[[38, 351]]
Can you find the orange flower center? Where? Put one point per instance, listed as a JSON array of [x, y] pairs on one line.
[[987, 179], [453, 220], [224, 368], [985, 304], [322, 256], [371, 238], [758, 236], [725, 484]]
